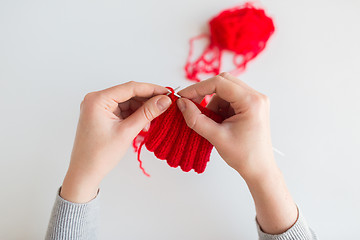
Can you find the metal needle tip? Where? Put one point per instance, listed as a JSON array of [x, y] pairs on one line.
[[174, 92]]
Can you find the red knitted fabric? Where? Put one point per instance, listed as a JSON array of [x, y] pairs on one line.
[[242, 30], [172, 140]]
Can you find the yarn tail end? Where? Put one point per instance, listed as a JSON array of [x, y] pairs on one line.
[[139, 160]]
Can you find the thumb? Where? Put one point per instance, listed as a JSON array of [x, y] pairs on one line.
[[146, 113], [199, 122]]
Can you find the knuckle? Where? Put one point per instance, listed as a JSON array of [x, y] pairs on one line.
[[225, 75], [259, 102], [256, 99], [89, 103], [131, 83], [148, 113], [219, 79], [192, 121], [89, 97]]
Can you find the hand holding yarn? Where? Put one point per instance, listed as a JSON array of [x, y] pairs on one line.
[[243, 139], [109, 121]]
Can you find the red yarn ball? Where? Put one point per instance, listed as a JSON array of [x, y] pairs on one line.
[[243, 30]]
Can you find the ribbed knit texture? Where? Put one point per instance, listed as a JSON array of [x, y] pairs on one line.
[[299, 231], [73, 220], [172, 140]]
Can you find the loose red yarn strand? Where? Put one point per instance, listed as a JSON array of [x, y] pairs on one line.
[[140, 162], [202, 65]]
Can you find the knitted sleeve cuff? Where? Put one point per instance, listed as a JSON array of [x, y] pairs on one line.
[[299, 231], [73, 220]]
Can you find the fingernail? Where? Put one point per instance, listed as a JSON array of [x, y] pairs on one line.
[[181, 104], [163, 103]]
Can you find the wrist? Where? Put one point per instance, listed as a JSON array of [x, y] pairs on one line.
[[78, 187], [255, 171], [275, 209], [264, 179]]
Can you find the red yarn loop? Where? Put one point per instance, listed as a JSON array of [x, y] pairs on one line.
[[242, 30], [171, 90], [172, 140]]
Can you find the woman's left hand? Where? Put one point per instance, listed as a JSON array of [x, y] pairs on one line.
[[109, 120]]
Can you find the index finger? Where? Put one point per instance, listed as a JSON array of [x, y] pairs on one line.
[[113, 96], [124, 92], [224, 88]]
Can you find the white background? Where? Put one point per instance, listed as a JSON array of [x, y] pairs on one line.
[[53, 52]]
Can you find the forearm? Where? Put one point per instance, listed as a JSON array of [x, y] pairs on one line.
[[276, 211]]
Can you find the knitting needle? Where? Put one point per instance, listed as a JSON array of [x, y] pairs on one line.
[[174, 92], [278, 151]]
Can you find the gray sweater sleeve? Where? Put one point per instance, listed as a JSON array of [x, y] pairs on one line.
[[299, 231], [76, 221]]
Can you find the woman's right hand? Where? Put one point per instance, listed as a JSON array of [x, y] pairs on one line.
[[243, 140]]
